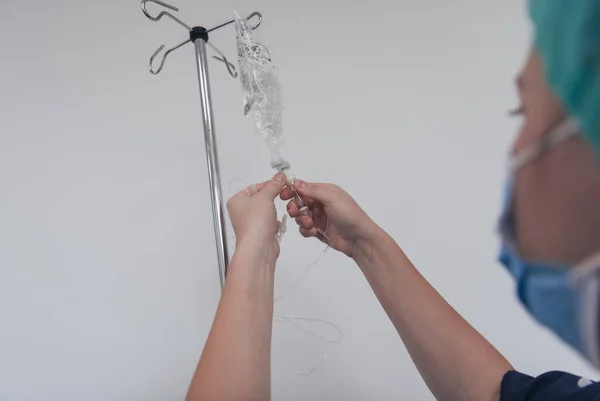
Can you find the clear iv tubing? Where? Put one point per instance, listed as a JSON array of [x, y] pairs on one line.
[[303, 209], [294, 321], [291, 322]]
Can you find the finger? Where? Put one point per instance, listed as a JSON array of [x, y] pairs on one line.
[[275, 186], [324, 193], [292, 209], [309, 233], [304, 207], [305, 222], [286, 194], [305, 202]]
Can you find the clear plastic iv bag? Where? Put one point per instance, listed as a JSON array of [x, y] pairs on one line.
[[263, 103]]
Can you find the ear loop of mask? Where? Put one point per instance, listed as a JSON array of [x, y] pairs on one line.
[[295, 322], [563, 132], [586, 276]]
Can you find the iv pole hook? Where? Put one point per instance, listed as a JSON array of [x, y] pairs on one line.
[[221, 57], [248, 18], [164, 13], [164, 58]]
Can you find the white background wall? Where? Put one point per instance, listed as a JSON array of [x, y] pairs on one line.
[[108, 282]]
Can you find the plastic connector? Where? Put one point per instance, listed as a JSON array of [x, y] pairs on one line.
[[282, 228]]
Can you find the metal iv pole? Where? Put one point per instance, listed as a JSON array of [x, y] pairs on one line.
[[199, 36]]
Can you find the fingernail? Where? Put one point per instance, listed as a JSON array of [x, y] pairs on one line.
[[279, 177], [299, 184]]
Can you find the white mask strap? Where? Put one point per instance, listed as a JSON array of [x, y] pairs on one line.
[[582, 271], [564, 131], [588, 299], [585, 276]]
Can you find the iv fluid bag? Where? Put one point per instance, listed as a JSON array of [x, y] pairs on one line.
[[261, 89]]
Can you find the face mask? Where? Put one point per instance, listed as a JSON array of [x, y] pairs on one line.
[[564, 299]]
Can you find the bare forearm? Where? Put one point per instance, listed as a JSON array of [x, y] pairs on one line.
[[235, 364], [456, 362]]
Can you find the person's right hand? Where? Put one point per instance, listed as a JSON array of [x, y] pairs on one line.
[[332, 210]]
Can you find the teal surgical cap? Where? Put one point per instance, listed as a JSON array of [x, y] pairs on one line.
[[567, 36]]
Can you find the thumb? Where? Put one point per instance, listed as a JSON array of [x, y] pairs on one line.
[[275, 186], [324, 193]]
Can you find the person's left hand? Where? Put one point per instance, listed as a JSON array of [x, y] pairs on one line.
[[254, 218]]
